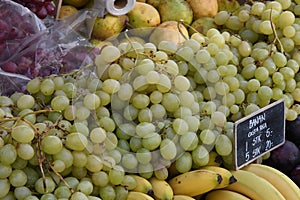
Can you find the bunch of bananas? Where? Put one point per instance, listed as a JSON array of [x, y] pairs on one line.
[[255, 181]]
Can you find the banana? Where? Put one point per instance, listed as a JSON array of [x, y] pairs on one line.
[[132, 195], [225, 195], [253, 186], [279, 180], [182, 197], [227, 177], [214, 159], [143, 185], [195, 182], [161, 189]]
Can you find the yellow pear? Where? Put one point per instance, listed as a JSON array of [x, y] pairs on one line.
[[108, 26], [76, 3], [143, 15], [154, 3], [204, 8], [66, 10], [202, 25], [168, 31], [228, 5]]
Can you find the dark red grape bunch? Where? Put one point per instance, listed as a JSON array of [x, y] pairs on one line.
[[42, 8]]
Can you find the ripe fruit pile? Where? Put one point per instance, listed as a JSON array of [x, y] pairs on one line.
[[149, 115]]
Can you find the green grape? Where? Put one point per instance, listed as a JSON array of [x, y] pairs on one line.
[[78, 196], [25, 102], [8, 154], [289, 31], [62, 192], [100, 178], [86, 187], [223, 145], [111, 86], [145, 115], [156, 97], [265, 93], [4, 187], [221, 17], [129, 161], [76, 141], [44, 186], [185, 52], [145, 170], [277, 93], [129, 182], [22, 134], [22, 192], [251, 108], [158, 111], [110, 141], [5, 170], [143, 129], [135, 143], [200, 155], [140, 83], [291, 115], [202, 56], [60, 103], [107, 192], [253, 85], [94, 163], [167, 46], [181, 83], [209, 107], [51, 144], [65, 155], [221, 88], [140, 101], [207, 136], [261, 74], [233, 23], [123, 146], [97, 135], [107, 124], [265, 27], [25, 151], [31, 197], [47, 87], [110, 53], [167, 149], [184, 162], [33, 86], [59, 165], [171, 102], [189, 141], [286, 18], [279, 59], [287, 73], [91, 101], [70, 112], [116, 175], [164, 84], [290, 85], [161, 173], [143, 155], [121, 192], [180, 126], [192, 43], [152, 141], [193, 122]]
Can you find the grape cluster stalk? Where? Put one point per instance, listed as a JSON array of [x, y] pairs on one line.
[[146, 109]]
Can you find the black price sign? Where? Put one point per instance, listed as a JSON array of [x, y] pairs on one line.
[[259, 133]]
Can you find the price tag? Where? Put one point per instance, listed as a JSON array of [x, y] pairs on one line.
[[259, 133]]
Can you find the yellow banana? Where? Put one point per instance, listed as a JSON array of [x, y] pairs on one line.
[[161, 189], [132, 195], [195, 182], [279, 180], [223, 194], [143, 185], [182, 197], [253, 186], [214, 159], [227, 177]]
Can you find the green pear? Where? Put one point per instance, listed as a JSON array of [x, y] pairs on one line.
[[108, 26], [154, 3], [202, 25], [175, 10], [143, 15], [228, 5]]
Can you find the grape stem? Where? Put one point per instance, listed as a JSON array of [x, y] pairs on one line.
[[275, 35]]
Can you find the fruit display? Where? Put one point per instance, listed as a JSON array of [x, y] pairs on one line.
[[147, 109]]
